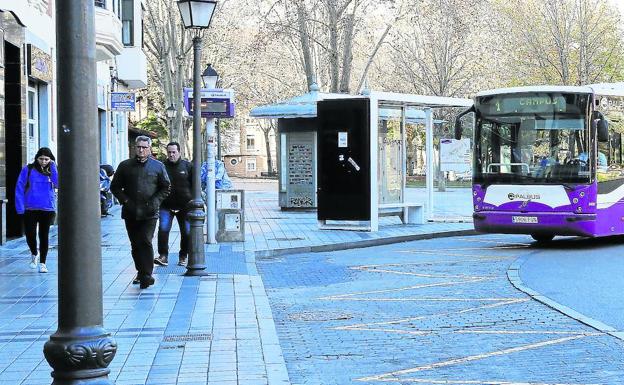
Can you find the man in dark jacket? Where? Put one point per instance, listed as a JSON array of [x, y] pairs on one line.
[[141, 184], [180, 174]]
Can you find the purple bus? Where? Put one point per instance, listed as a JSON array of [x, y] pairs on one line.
[[548, 160]]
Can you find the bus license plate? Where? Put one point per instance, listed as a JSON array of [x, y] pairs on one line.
[[515, 219]]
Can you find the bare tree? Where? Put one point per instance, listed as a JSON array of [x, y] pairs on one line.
[[571, 42], [325, 36]]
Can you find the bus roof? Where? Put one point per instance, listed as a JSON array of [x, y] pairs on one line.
[[517, 90], [608, 89], [613, 89]]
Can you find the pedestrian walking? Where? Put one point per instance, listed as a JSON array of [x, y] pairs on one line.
[[141, 184], [35, 199], [180, 174]]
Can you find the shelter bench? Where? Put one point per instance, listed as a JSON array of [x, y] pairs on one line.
[[410, 212]]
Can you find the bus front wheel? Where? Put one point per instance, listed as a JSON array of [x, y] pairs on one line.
[[542, 238]]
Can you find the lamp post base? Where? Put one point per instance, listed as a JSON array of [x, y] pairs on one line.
[[80, 357], [196, 261]]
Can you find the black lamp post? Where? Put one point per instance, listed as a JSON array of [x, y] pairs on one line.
[[171, 113], [196, 14], [81, 349]]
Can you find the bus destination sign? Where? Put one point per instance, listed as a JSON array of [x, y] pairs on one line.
[[510, 104]]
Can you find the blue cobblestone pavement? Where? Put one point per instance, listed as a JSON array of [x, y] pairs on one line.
[[431, 312], [287, 307]]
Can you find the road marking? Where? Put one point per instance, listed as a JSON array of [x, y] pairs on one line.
[[469, 382], [416, 287], [476, 357], [469, 249], [489, 306], [424, 299], [376, 270]]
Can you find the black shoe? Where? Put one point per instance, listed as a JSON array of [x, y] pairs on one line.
[[161, 260], [182, 260], [136, 280], [147, 281]]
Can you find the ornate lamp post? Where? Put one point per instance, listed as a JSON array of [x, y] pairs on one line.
[[81, 349], [171, 113], [196, 15], [210, 78]]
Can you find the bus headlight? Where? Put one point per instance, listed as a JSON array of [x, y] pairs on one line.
[[575, 200], [579, 209]]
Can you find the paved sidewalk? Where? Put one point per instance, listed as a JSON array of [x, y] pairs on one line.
[[216, 329]]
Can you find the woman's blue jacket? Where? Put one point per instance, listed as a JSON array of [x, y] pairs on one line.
[[36, 192]]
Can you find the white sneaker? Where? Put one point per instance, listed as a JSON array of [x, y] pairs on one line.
[[43, 268], [34, 260]]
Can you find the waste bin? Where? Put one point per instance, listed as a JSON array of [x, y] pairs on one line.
[[230, 215]]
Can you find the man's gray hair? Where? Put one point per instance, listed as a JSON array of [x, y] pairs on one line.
[[143, 138]]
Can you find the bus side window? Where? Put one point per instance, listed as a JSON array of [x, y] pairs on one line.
[[610, 164]]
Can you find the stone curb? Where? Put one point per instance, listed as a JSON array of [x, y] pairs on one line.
[[270, 253], [513, 274]]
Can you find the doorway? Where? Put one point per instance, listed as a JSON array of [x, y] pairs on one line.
[[14, 140]]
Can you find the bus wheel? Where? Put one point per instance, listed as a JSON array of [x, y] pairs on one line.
[[542, 238]]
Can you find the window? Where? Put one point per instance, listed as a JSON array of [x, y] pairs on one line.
[[251, 142], [127, 21], [32, 112], [251, 164], [100, 3]]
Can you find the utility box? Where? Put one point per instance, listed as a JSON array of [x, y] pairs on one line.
[[230, 215]]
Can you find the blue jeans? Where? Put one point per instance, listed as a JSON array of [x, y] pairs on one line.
[[164, 227]]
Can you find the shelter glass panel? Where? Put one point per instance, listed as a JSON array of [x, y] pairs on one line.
[[390, 155]]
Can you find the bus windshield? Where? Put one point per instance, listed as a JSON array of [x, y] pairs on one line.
[[532, 138]]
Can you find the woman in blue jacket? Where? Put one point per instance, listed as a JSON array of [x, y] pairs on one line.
[[35, 199]]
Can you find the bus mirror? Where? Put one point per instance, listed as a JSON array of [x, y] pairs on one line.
[[603, 130], [458, 128]]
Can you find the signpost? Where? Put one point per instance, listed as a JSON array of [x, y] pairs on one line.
[[215, 103], [123, 101]]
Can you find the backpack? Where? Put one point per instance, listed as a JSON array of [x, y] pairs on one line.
[[30, 167]]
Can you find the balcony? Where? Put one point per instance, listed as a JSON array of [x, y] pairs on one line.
[[132, 67], [107, 33]]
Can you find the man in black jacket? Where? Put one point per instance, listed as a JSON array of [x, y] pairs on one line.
[[180, 174], [141, 184]]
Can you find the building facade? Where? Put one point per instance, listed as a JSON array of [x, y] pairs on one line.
[[249, 159], [28, 91]]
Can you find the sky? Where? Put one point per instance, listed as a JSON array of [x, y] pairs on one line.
[[620, 5]]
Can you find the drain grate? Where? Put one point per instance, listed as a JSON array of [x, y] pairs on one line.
[[286, 239], [188, 337]]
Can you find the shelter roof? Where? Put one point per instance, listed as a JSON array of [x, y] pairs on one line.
[[302, 106]]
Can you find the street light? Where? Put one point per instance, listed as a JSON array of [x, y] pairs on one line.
[[210, 77], [196, 14], [81, 349], [171, 113]]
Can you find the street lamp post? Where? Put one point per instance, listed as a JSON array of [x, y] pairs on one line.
[[81, 349], [196, 14], [171, 113], [210, 78]]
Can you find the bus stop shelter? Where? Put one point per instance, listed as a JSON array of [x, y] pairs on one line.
[[385, 129], [362, 157]]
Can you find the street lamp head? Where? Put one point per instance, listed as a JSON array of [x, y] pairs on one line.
[[196, 14], [171, 112], [210, 77]]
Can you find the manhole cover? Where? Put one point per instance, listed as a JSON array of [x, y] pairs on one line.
[[188, 337], [315, 316]]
